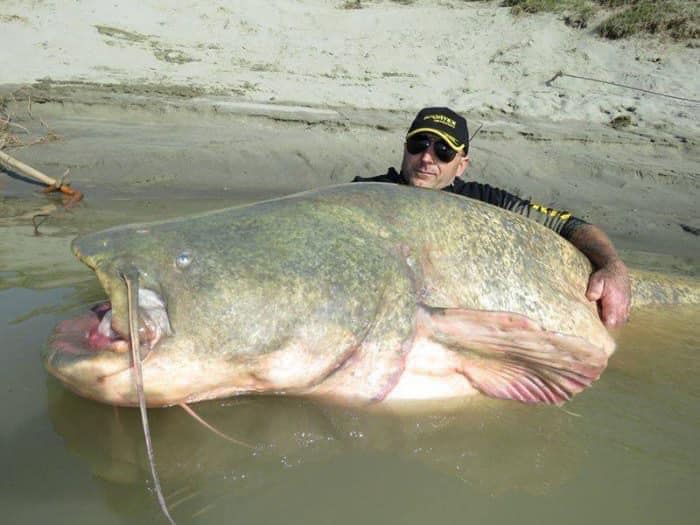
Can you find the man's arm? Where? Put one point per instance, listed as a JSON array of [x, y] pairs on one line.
[[609, 284]]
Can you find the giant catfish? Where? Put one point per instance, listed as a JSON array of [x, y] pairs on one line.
[[355, 293]]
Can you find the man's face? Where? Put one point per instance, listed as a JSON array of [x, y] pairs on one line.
[[426, 170]]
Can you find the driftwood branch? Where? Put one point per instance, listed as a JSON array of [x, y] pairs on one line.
[[25, 170]]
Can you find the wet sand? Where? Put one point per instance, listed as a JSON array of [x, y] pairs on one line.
[[175, 110]]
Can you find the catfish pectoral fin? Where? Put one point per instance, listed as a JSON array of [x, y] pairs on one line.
[[509, 356]]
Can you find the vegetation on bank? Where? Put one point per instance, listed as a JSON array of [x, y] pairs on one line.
[[679, 19]]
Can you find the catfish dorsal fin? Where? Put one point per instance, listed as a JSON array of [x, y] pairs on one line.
[[509, 356]]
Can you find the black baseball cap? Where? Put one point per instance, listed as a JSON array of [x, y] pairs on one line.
[[444, 123]]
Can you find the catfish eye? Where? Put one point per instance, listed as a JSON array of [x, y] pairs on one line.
[[183, 260]]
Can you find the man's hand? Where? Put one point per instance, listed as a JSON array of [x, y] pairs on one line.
[[609, 284], [610, 287]]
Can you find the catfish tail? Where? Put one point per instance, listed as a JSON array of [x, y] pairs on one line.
[[655, 288]]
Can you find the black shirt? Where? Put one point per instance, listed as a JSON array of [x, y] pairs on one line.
[[562, 222]]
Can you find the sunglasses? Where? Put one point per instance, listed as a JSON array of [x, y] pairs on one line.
[[420, 143]]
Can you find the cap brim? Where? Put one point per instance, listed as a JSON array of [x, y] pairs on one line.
[[447, 138]]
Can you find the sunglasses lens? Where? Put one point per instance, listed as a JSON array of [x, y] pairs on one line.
[[419, 143], [443, 152]]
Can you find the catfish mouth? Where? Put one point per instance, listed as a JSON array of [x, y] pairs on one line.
[[95, 333]]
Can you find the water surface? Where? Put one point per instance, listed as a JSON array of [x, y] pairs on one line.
[[625, 451]]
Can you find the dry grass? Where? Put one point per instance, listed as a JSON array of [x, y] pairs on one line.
[[13, 134], [352, 4], [677, 19]]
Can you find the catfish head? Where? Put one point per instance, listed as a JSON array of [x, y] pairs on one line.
[[187, 318]]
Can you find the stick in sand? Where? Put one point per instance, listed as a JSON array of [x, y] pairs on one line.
[[17, 166]]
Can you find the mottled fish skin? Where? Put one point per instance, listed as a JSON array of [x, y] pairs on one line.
[[317, 293]]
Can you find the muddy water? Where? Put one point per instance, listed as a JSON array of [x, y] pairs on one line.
[[626, 451]]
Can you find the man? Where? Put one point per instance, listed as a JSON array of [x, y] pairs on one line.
[[435, 155]]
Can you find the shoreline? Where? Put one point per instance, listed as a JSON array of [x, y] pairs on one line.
[[476, 57], [605, 175]]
